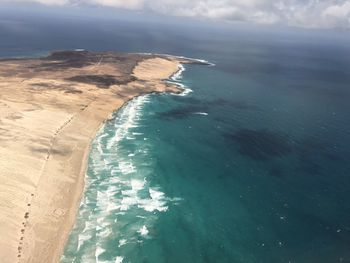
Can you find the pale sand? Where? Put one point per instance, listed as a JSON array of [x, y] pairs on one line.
[[45, 134]]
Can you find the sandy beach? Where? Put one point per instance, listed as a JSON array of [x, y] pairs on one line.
[[50, 110]]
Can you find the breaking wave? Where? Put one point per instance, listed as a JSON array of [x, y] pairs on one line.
[[120, 205]]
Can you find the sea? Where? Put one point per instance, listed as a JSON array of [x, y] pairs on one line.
[[250, 164]]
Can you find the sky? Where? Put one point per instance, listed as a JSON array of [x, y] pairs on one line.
[[319, 14]]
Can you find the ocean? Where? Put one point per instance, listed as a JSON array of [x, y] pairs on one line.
[[250, 165]]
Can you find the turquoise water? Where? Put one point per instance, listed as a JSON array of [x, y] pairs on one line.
[[250, 167], [243, 169]]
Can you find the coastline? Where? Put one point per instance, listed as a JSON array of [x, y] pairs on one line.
[[171, 79], [51, 201]]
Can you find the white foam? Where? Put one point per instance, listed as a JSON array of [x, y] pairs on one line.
[[130, 196], [82, 238], [126, 120], [112, 184], [156, 195], [157, 202], [122, 242], [177, 84], [180, 57], [98, 252], [192, 59], [143, 231], [178, 75], [100, 220], [102, 200], [175, 78], [201, 113], [137, 185], [106, 232], [126, 167], [111, 205], [115, 172], [88, 226], [126, 202], [119, 259], [144, 53], [185, 92]]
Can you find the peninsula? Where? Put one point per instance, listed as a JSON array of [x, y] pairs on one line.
[[50, 111]]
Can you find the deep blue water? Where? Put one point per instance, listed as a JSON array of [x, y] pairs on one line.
[[252, 166]]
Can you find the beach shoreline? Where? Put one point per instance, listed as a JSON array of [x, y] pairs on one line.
[[87, 152], [53, 126]]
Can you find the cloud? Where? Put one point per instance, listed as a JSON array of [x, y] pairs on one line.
[[338, 14], [302, 13], [128, 4], [52, 2]]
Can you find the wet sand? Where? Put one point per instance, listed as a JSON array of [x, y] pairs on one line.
[[50, 111]]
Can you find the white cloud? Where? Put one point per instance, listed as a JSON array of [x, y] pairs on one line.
[[44, 2], [304, 13], [338, 15], [126, 4]]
